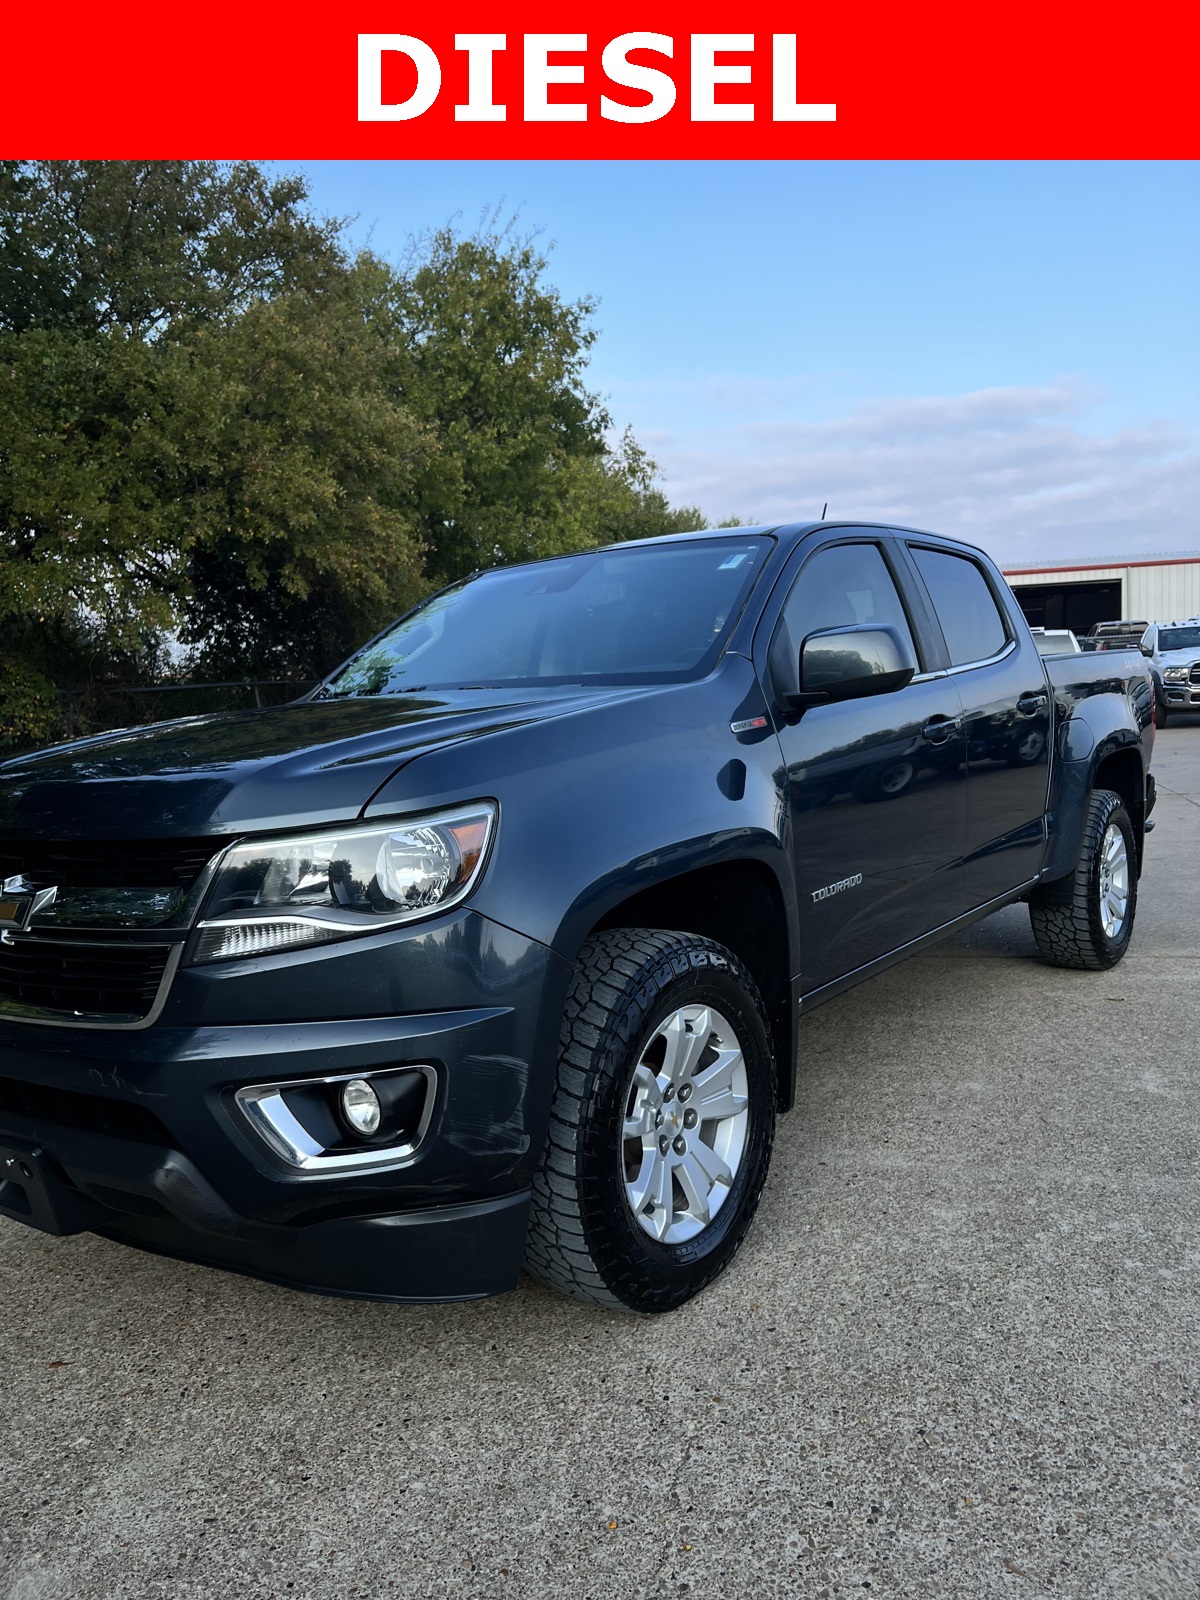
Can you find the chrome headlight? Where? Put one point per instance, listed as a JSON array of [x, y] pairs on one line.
[[278, 894], [1175, 674]]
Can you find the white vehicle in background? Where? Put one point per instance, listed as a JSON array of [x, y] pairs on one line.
[[1056, 642], [1173, 651]]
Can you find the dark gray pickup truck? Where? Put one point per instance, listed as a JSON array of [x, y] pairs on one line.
[[492, 950]]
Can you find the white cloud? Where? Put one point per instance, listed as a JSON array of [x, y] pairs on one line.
[[1014, 470]]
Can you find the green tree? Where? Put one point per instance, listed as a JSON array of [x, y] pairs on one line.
[[492, 359], [222, 432], [140, 247], [302, 484], [618, 498], [29, 709], [195, 427]]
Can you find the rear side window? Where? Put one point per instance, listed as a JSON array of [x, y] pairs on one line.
[[966, 608]]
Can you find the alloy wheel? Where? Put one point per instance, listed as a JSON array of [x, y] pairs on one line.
[[1114, 881], [685, 1124]]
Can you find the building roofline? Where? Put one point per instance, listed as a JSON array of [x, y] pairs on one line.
[[1099, 566]]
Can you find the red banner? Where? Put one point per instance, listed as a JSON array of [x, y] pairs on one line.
[[373, 78]]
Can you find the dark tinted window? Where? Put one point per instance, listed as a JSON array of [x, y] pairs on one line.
[[639, 614], [837, 588], [965, 606], [1179, 638]]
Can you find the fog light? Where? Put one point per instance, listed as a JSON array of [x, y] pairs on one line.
[[360, 1107]]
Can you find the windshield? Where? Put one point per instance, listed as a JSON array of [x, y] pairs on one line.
[[637, 614], [1179, 638]]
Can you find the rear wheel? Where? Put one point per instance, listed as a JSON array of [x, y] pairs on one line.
[[661, 1124], [1086, 920]]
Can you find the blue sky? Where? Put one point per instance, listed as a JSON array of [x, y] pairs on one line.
[[1009, 352]]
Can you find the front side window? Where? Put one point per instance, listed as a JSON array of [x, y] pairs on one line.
[[637, 614], [841, 586], [971, 623]]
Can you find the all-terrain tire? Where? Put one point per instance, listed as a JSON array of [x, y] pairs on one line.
[[1067, 914], [583, 1237]]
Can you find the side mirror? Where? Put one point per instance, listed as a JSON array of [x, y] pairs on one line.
[[1146, 649], [849, 663]]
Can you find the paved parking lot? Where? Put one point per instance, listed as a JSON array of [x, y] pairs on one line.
[[959, 1356]]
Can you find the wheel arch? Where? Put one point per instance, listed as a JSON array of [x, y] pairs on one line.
[[1121, 769], [742, 904], [1115, 763]]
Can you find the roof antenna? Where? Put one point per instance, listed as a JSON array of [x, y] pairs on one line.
[[825, 509]]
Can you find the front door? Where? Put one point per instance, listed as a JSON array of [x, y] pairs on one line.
[[876, 786]]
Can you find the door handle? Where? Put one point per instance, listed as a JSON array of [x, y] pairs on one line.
[[940, 730], [1030, 704]]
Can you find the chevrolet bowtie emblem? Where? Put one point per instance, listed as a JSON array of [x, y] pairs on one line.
[[20, 901]]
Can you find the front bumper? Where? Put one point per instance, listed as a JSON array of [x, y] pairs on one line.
[[450, 1252], [142, 1134]]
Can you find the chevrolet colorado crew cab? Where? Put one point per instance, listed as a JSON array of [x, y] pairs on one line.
[[492, 949]]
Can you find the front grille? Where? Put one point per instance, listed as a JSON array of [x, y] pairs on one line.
[[106, 980], [1196, 672], [92, 1113], [113, 864]]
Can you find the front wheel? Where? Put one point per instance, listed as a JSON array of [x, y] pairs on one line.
[[1160, 712], [661, 1123], [1086, 920]]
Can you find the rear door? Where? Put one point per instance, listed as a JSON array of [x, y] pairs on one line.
[[1006, 710], [875, 786]]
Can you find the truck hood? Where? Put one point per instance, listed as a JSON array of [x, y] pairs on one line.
[[1177, 658], [290, 766]]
